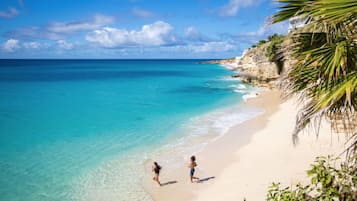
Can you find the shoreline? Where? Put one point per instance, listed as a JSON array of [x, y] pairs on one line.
[[207, 159], [239, 166], [270, 156]]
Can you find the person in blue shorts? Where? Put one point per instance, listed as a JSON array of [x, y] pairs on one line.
[[192, 166]]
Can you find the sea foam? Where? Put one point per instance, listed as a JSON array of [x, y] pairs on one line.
[[189, 139]]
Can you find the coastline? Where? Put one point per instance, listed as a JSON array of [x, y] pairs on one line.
[[215, 156], [270, 156], [250, 156]]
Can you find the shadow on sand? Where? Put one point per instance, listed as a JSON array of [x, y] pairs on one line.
[[205, 179], [168, 183]]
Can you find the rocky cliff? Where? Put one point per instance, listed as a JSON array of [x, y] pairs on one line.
[[255, 67]]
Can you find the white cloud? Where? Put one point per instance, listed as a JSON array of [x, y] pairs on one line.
[[192, 34], [218, 46], [11, 45], [269, 29], [62, 44], [96, 22], [9, 13], [233, 6], [139, 12], [32, 45], [262, 33], [191, 31], [60, 30], [156, 34], [35, 32]]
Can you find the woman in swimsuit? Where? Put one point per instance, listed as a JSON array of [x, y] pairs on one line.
[[156, 169], [192, 166]]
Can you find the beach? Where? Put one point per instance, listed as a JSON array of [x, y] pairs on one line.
[[101, 133], [90, 128], [178, 100], [250, 156]]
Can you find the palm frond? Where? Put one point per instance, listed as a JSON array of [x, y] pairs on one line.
[[325, 49]]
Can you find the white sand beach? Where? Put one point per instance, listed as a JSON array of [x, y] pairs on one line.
[[251, 156], [270, 156]]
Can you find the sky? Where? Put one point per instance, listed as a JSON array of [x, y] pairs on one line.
[[124, 29]]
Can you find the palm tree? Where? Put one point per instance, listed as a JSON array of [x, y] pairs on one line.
[[325, 49]]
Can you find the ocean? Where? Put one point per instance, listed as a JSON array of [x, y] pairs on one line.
[[84, 129]]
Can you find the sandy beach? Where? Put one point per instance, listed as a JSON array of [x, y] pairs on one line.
[[250, 156], [178, 100]]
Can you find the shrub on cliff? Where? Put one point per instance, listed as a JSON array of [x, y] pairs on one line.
[[273, 51]]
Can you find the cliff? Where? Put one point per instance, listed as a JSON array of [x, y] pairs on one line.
[[255, 67]]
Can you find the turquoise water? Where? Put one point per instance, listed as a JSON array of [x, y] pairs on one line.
[[64, 122]]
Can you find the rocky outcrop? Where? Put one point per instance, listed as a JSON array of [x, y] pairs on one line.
[[258, 81], [254, 66]]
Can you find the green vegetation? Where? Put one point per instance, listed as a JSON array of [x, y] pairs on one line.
[[325, 75], [273, 51], [273, 38], [261, 42], [274, 45], [327, 183], [325, 79]]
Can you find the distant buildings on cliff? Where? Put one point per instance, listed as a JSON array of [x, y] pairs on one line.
[[296, 22]]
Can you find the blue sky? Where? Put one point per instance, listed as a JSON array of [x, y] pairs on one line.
[[133, 28]]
